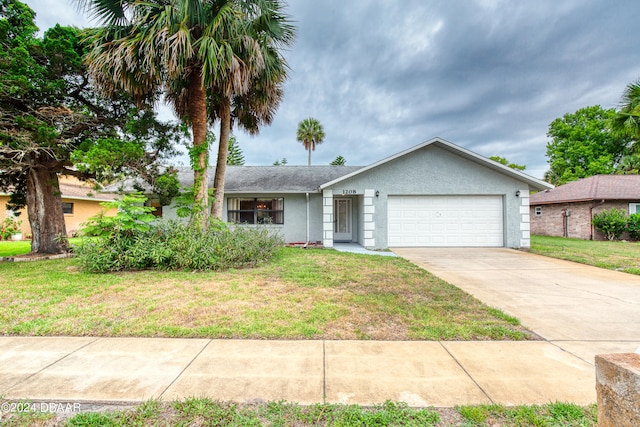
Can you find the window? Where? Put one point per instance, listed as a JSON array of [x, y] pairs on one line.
[[256, 211], [634, 208], [538, 210], [158, 208], [67, 208]]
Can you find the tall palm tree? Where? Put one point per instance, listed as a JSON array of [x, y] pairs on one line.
[[190, 51], [310, 134], [627, 118], [257, 106]]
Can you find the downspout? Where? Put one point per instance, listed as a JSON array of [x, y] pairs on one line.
[[591, 222], [565, 223], [307, 241]]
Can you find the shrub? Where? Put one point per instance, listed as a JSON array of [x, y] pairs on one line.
[[172, 245], [633, 226], [132, 216], [612, 223]]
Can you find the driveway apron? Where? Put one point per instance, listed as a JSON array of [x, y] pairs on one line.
[[583, 309]]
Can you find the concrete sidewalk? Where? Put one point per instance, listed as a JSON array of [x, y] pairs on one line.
[[421, 373]]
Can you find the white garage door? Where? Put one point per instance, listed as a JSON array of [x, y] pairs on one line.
[[445, 221]]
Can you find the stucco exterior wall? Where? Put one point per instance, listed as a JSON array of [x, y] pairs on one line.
[[294, 228], [437, 171], [82, 211], [578, 226]]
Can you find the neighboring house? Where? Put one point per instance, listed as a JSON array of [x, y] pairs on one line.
[[434, 194], [79, 202], [568, 210]]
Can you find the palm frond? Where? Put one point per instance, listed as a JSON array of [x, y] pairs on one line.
[[107, 12]]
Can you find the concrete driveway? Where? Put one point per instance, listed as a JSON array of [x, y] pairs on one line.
[[585, 310]]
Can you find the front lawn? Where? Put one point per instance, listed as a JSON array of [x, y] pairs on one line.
[[617, 255], [301, 294]]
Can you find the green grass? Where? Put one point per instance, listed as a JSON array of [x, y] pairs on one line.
[[549, 415], [301, 294], [616, 255], [11, 248], [203, 411]]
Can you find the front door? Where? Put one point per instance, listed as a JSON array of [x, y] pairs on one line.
[[342, 220]]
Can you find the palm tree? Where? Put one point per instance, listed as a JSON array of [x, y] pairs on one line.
[[197, 53], [627, 119], [310, 134], [258, 105]]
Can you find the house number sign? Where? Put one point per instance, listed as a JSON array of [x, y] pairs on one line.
[[348, 191]]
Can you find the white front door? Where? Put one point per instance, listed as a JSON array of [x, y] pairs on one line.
[[342, 227]]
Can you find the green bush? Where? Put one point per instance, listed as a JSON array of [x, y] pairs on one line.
[[130, 241], [633, 226], [172, 245], [612, 223]]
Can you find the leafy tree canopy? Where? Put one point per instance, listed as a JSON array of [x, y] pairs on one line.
[[338, 161], [506, 162], [583, 144], [53, 122]]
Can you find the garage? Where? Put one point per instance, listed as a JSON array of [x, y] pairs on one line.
[[445, 221]]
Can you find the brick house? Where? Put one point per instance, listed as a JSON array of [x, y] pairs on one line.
[[567, 210]]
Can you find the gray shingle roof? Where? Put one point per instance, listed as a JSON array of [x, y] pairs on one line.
[[281, 179], [598, 187], [261, 179]]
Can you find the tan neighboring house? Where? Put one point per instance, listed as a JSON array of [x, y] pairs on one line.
[[568, 210], [79, 202]]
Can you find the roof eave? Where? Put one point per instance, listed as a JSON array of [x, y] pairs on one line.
[[557, 202], [271, 192]]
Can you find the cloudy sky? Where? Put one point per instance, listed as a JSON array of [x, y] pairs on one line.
[[488, 75]]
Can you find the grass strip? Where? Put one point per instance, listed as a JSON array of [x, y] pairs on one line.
[[615, 255], [204, 411]]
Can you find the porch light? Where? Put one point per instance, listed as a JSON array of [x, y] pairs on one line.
[[377, 193], [517, 193]]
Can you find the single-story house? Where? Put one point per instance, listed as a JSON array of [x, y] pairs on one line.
[[568, 209], [80, 201], [434, 194]]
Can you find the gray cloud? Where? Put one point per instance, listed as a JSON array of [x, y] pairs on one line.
[[488, 75]]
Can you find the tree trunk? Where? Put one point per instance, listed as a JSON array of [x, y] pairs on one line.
[[44, 206], [198, 113], [309, 163], [223, 150]]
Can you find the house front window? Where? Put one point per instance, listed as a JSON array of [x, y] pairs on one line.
[[634, 208], [67, 208], [255, 211]]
